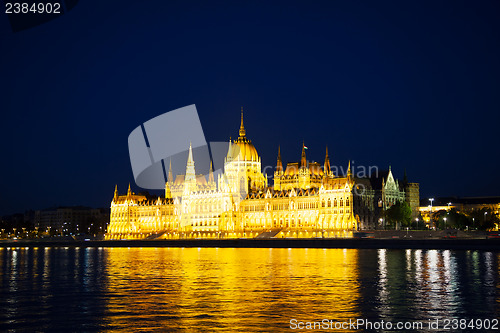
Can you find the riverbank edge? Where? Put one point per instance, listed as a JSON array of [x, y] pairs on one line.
[[336, 243]]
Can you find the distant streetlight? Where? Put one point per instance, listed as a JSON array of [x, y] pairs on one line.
[[448, 213], [430, 210], [417, 222], [485, 216]]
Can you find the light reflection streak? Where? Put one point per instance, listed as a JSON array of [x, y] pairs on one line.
[[429, 278], [241, 289], [408, 261], [382, 285], [488, 264], [245, 286]]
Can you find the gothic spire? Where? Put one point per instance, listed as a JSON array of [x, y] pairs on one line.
[[327, 163], [168, 193], [229, 155], [129, 191], [303, 160], [279, 164], [211, 174], [190, 173], [170, 177], [190, 156], [116, 193], [242, 128]]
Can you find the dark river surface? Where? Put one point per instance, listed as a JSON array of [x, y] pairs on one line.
[[247, 290]]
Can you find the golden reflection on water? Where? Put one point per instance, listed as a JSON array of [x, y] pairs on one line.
[[230, 289], [239, 290]]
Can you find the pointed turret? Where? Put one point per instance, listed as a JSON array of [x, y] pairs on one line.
[[211, 174], [190, 154], [349, 174], [190, 173], [279, 172], [279, 164], [115, 197], [303, 159], [327, 163], [190, 184], [242, 128], [405, 179], [129, 191], [229, 156], [168, 193], [170, 177]]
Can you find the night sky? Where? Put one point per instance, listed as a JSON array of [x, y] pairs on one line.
[[414, 85]]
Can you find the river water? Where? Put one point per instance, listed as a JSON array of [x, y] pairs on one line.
[[246, 290]]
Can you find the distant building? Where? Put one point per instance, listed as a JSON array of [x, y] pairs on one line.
[[412, 196], [377, 193], [72, 220], [464, 204]]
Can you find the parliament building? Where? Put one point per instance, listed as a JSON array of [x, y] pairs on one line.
[[306, 200]]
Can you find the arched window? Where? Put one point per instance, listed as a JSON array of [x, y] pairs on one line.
[[335, 202], [329, 203], [341, 202]]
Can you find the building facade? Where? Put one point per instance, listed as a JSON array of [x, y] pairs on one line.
[[466, 205], [306, 200], [72, 220], [375, 194]]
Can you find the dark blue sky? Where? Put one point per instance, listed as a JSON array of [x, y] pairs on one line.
[[414, 85]]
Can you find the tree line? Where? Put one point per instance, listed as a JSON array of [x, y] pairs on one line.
[[399, 216]]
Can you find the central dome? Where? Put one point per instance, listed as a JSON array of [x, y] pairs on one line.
[[242, 149]]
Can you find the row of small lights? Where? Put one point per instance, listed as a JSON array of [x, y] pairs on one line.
[[444, 218]]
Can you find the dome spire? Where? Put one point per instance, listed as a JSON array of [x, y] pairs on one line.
[[242, 128]]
